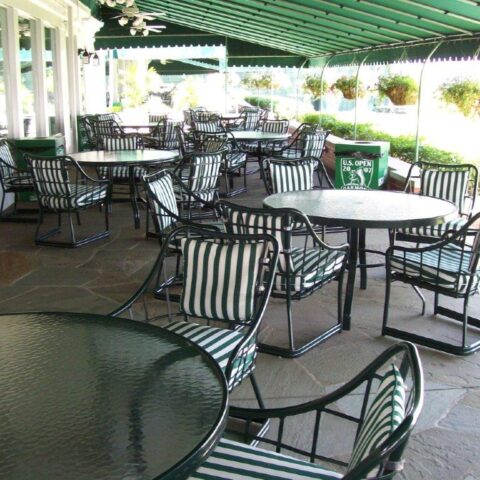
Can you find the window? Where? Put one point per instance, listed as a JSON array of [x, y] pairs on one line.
[[49, 81], [3, 100], [26, 79]]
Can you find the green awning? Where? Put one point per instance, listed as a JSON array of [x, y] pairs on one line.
[[177, 67], [312, 28]]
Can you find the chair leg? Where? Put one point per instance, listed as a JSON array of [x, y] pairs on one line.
[[256, 390], [465, 322], [72, 229], [386, 306], [362, 256], [422, 298], [290, 319], [340, 299]]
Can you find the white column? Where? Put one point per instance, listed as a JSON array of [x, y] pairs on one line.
[[60, 82], [73, 78], [39, 77], [11, 52]]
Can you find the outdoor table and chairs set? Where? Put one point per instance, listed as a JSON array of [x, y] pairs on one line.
[[153, 402]]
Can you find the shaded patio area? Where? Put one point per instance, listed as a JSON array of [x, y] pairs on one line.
[[98, 277]]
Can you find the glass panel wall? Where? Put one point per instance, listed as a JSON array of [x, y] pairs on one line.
[[26, 79], [49, 81]]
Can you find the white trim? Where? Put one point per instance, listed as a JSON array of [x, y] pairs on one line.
[[73, 79], [12, 73], [60, 79], [39, 75]]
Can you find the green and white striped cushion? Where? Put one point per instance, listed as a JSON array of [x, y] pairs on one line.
[[235, 160], [450, 186], [436, 230], [219, 343], [444, 267], [80, 196], [384, 415], [291, 177], [220, 280], [236, 461], [309, 267], [162, 190]]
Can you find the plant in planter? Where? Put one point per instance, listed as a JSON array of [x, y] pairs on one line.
[[464, 94], [315, 86], [260, 81], [347, 85], [400, 89]]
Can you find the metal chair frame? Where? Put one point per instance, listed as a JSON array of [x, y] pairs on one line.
[[284, 232], [409, 187], [155, 288], [385, 460], [452, 241], [54, 181], [13, 180]]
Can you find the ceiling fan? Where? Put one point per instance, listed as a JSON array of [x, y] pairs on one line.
[[131, 13]]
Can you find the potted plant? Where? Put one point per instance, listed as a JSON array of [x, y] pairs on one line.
[[464, 94], [316, 87], [400, 89], [347, 85]]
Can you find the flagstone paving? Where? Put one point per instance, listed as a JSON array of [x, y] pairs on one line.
[[98, 277]]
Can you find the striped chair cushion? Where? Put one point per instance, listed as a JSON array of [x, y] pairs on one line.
[[313, 144], [235, 160], [443, 267], [384, 415], [291, 177], [6, 156], [121, 172], [113, 144], [162, 191], [310, 267], [435, 230], [275, 126], [21, 180], [219, 343], [219, 280], [236, 461], [450, 186], [80, 196]]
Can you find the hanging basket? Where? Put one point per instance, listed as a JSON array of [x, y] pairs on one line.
[[400, 89], [347, 85]]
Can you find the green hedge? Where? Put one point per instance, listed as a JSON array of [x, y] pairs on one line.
[[262, 102], [402, 147]]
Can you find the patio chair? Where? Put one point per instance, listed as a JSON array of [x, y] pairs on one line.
[[105, 127], [235, 160], [449, 267], [160, 188], [62, 186], [456, 183], [168, 136], [390, 399], [209, 126], [157, 117], [268, 126], [86, 123], [200, 173], [224, 279], [302, 270], [306, 141], [186, 141], [281, 175], [13, 179], [249, 119]]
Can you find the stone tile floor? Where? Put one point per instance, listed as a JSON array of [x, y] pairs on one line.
[[97, 277]]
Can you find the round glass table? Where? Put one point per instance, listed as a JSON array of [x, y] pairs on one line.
[[92, 397], [362, 209], [130, 158]]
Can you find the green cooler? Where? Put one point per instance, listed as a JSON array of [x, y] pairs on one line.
[[43, 146], [361, 165]]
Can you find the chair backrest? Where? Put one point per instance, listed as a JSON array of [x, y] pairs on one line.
[[107, 117], [314, 143], [168, 134], [105, 127], [162, 200], [157, 117], [456, 183], [274, 126], [278, 223], [129, 141], [51, 180], [211, 124], [250, 120], [289, 176], [204, 172], [213, 143], [203, 115], [7, 165], [186, 141]]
